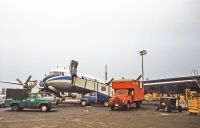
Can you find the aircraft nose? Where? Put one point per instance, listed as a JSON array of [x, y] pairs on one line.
[[42, 84]]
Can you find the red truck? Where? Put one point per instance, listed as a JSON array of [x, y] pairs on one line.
[[127, 92]]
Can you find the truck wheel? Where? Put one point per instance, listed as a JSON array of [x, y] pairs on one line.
[[106, 104], [44, 108], [138, 104], [2, 105], [180, 109], [112, 108], [83, 103], [166, 109], [21, 109], [156, 107], [128, 107], [49, 109], [15, 107]]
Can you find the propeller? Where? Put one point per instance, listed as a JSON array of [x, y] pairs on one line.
[[28, 84], [28, 79], [20, 82], [109, 82]]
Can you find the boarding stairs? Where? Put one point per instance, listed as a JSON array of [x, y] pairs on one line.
[[91, 85]]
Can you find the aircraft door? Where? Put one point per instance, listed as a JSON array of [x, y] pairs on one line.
[[73, 68]]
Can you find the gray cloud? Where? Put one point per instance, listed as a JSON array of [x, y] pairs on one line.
[[36, 36]]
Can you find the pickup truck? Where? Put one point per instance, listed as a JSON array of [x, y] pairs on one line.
[[95, 97], [24, 99]]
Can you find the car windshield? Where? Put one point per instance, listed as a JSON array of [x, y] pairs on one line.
[[122, 91], [34, 96]]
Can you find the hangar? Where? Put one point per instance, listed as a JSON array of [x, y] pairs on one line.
[[175, 85]]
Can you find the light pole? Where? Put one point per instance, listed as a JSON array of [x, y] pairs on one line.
[[142, 53]]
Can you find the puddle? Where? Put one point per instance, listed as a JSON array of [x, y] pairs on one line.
[[164, 114]]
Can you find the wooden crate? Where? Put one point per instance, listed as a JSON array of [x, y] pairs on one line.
[[148, 97], [194, 105]]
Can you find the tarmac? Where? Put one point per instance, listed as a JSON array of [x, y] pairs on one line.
[[76, 116]]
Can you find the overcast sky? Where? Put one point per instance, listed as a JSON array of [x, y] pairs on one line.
[[36, 36]]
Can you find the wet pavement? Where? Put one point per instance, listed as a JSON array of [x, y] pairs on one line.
[[76, 116]]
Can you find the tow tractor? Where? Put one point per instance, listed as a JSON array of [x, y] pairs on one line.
[[168, 104]]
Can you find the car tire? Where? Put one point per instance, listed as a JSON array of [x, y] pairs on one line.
[[106, 104], [180, 109], [44, 108], [83, 103], [14, 107], [156, 107], [127, 107]]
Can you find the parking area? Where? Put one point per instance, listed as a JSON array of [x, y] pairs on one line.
[[76, 116]]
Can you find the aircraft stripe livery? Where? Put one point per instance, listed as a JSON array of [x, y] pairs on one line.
[[60, 80]]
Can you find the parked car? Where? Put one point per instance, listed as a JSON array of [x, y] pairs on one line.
[[168, 104], [95, 97]]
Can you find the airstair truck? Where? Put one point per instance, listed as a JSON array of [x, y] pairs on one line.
[[127, 92]]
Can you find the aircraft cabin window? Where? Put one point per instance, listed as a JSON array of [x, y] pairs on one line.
[[103, 88], [55, 72]]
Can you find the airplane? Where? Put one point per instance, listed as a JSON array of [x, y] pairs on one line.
[[60, 80]]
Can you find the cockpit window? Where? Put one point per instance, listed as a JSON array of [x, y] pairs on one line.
[[56, 72]]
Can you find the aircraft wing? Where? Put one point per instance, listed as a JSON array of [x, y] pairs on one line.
[[10, 82]]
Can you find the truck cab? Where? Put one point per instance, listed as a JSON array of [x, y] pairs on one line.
[[18, 99], [126, 93], [94, 97]]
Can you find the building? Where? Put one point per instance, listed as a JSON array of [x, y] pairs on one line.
[[175, 85]]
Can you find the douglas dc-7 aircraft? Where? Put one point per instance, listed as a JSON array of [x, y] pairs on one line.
[[59, 80]]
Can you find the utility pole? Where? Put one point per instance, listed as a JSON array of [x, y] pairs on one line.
[[106, 73]]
